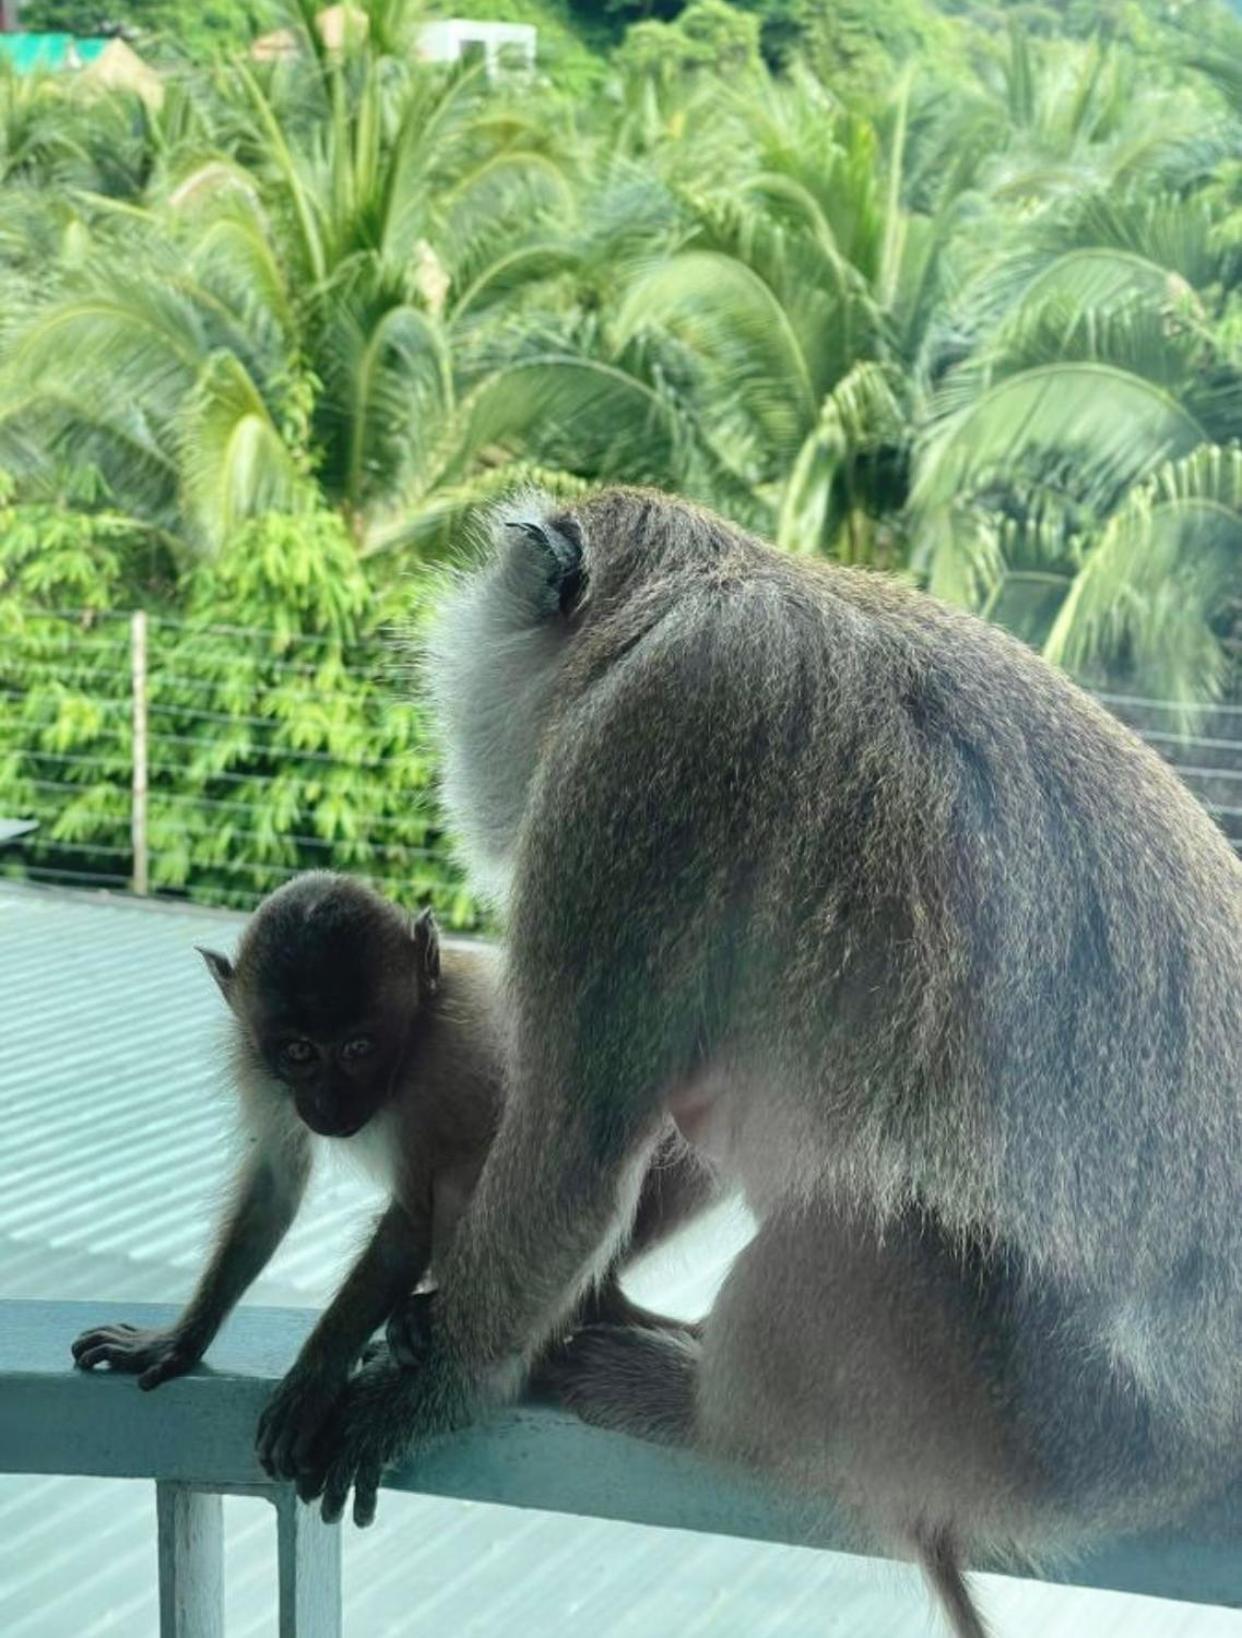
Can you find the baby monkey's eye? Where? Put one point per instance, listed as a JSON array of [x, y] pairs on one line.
[[358, 1047], [297, 1052]]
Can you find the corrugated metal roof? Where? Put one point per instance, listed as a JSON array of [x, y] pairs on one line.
[[113, 1145]]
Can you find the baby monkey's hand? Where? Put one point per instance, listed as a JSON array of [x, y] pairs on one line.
[[154, 1356]]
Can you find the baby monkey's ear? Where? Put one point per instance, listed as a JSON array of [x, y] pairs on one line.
[[221, 969], [427, 949]]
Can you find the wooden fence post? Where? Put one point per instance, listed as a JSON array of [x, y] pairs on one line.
[[138, 801]]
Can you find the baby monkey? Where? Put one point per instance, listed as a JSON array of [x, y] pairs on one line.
[[350, 1026]]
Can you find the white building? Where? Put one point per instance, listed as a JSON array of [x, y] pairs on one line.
[[450, 40], [500, 44]]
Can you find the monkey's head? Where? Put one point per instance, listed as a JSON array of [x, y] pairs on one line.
[[326, 987], [558, 579]]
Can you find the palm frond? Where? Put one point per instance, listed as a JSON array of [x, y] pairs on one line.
[[516, 268], [1225, 73], [1115, 426], [238, 256], [862, 413], [727, 314], [233, 461], [614, 422], [960, 553], [1150, 591], [401, 380], [1095, 252]]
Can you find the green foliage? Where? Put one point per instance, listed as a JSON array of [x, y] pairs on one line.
[[285, 329], [281, 741], [860, 44], [1175, 545], [944, 290], [625, 12], [69, 16], [52, 555], [195, 30], [710, 36]]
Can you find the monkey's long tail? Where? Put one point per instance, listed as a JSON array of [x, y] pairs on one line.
[[943, 1569]]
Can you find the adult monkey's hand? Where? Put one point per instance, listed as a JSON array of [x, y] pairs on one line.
[[383, 1415]]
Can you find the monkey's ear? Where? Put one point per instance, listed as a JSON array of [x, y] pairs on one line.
[[220, 968], [562, 541], [427, 948]]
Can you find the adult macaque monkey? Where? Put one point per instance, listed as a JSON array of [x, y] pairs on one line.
[[350, 1026], [928, 952]]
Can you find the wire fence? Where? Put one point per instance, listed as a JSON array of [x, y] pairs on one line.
[[213, 762], [1207, 757]]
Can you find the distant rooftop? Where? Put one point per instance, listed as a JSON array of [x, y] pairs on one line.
[[113, 1145], [34, 53]]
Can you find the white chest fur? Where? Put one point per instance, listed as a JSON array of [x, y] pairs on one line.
[[369, 1152]]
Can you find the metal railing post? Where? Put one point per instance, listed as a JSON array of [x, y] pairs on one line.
[[138, 798], [190, 1530], [308, 1568]]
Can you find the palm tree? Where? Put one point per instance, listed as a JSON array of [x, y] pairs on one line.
[[982, 332], [1157, 589], [773, 307], [1092, 374], [281, 330]]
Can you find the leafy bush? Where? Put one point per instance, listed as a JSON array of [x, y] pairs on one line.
[[709, 35], [282, 741], [197, 29]]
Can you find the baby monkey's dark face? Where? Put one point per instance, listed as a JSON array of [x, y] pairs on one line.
[[339, 1065], [327, 990]]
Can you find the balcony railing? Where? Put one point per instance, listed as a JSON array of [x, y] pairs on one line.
[[194, 1438]]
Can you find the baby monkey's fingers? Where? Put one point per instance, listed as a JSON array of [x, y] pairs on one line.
[[153, 1356], [105, 1336], [164, 1370]]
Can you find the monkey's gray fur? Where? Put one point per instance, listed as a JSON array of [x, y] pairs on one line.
[[931, 954]]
